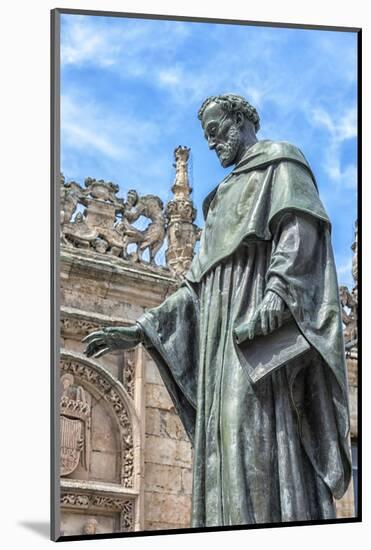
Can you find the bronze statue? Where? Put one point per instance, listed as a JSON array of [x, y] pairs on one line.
[[250, 347]]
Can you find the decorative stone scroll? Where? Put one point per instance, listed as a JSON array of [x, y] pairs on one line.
[[114, 394], [75, 327], [102, 503], [129, 372]]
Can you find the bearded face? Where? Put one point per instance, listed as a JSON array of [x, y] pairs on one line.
[[227, 151], [222, 134]]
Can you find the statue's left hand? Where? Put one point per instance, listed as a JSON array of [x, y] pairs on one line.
[[269, 316], [110, 339]]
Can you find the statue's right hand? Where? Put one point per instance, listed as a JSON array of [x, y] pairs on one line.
[[109, 339]]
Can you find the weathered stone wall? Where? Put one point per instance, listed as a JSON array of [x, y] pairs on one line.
[[345, 507], [168, 459], [97, 291], [133, 466]]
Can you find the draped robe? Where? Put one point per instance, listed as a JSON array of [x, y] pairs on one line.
[[275, 450]]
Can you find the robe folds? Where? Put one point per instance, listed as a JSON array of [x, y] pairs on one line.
[[275, 450]]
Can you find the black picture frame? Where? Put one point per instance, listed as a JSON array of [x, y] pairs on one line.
[[55, 250]]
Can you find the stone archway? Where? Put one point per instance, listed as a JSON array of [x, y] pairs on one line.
[[90, 497]]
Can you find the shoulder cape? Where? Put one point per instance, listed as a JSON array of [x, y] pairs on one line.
[[270, 178]]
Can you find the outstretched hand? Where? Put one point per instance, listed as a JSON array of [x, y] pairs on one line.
[[269, 316], [109, 339]]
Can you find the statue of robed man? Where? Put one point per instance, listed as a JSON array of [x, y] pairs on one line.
[[250, 346]]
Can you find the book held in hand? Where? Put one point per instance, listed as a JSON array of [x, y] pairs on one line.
[[264, 354]]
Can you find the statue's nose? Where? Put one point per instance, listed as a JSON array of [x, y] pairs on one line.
[[211, 143]]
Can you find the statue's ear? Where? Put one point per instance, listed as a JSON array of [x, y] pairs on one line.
[[239, 118]]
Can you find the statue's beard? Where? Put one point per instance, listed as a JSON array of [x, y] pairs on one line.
[[228, 151]]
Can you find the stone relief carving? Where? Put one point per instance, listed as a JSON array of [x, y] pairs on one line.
[[71, 326], [80, 501], [127, 516], [349, 303], [94, 218], [75, 414], [87, 374], [105, 224], [99, 503], [129, 372], [349, 316], [90, 527]]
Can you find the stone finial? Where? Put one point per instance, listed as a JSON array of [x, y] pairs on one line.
[[181, 187], [182, 233]]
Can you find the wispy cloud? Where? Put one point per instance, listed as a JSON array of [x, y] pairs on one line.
[[340, 127], [132, 88], [344, 272], [90, 125], [129, 48]]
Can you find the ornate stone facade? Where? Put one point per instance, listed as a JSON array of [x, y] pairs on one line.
[[94, 218], [349, 301], [126, 461], [130, 459]]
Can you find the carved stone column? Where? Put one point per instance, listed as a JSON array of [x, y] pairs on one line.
[[182, 233]]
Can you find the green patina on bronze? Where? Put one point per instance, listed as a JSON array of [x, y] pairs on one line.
[[270, 178], [274, 449]]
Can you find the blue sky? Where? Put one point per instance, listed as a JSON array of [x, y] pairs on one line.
[[131, 89]]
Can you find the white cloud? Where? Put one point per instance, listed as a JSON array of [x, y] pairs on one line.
[[340, 127], [84, 138], [344, 127], [170, 77], [124, 46], [344, 272], [91, 127]]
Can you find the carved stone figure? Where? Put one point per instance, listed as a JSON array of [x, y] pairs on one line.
[[349, 316], [97, 227], [250, 346], [349, 302], [70, 195], [153, 236], [90, 527], [74, 424]]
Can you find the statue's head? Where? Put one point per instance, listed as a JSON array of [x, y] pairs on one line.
[[132, 197], [67, 380], [230, 124], [90, 527]]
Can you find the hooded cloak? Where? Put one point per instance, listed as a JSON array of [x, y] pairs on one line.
[[276, 449]]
